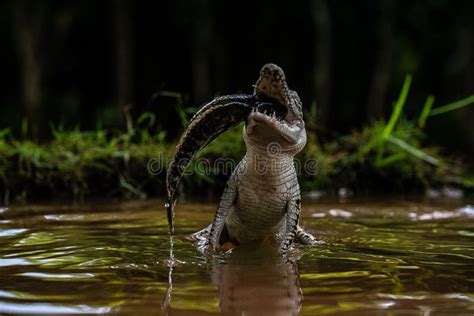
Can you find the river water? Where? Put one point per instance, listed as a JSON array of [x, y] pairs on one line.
[[400, 257]]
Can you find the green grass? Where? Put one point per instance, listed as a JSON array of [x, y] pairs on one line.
[[452, 106], [391, 156], [78, 164], [386, 156]]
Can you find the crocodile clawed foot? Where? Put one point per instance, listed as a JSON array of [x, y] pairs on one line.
[[305, 238], [228, 245]]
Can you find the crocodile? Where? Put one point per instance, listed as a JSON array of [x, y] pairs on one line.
[[261, 199]]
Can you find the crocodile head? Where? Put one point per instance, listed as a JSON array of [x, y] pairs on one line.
[[279, 117]]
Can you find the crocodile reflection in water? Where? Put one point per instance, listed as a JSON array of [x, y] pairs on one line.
[[255, 280]]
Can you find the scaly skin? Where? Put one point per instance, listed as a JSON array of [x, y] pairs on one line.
[[262, 197], [266, 184]]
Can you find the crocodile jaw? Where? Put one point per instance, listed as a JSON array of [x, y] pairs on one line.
[[265, 131], [262, 128], [272, 84], [266, 126]]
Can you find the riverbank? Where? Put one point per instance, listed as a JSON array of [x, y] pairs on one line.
[[392, 156], [78, 164]]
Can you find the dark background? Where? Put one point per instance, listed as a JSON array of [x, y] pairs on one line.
[[78, 63]]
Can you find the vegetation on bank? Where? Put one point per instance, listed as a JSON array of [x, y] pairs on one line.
[[391, 156]]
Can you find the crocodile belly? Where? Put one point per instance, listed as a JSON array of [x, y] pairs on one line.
[[256, 214]]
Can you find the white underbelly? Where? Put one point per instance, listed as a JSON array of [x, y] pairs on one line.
[[256, 213]]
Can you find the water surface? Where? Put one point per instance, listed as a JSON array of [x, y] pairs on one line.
[[389, 256]]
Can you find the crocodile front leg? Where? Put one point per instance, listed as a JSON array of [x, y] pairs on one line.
[[293, 231], [227, 201], [293, 210]]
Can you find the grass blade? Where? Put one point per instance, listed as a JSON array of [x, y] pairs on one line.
[[453, 106], [398, 107], [426, 111], [390, 160], [413, 150]]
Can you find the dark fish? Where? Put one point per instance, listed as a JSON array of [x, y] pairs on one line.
[[209, 122]]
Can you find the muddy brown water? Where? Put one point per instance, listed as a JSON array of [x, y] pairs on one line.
[[386, 257]]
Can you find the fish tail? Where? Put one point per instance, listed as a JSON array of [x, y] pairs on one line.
[[170, 214]]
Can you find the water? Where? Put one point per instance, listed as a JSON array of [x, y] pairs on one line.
[[391, 256]]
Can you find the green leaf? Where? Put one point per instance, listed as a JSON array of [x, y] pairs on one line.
[[390, 159], [398, 107], [413, 150], [147, 115], [453, 106], [426, 111]]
